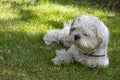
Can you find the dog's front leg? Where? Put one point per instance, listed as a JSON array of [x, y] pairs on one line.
[[63, 56]]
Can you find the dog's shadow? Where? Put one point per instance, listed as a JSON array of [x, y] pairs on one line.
[[55, 24]]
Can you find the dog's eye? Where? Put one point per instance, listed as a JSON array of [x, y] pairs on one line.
[[85, 34]]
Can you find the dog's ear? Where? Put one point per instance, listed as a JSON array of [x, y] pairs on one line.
[[100, 36], [103, 34]]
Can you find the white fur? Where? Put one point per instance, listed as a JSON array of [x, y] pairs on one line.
[[59, 35], [93, 38]]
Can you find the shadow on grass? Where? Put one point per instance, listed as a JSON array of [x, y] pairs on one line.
[[23, 14], [22, 53], [67, 2], [28, 15], [18, 51], [23, 50], [55, 24]]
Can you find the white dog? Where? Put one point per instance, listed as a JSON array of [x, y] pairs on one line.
[[60, 36], [90, 41]]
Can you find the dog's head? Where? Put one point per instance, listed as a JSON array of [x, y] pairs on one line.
[[88, 33]]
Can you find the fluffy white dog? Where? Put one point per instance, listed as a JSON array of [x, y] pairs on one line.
[[90, 40]]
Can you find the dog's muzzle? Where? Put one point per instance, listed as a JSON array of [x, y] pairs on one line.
[[76, 37]]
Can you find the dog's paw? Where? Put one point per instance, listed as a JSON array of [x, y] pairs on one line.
[[55, 61], [47, 42]]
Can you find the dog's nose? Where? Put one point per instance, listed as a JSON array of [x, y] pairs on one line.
[[76, 37], [60, 41]]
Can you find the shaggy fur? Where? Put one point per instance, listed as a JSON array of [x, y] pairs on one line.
[[89, 37], [60, 36]]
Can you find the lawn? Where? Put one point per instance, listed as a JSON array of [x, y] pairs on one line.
[[23, 53]]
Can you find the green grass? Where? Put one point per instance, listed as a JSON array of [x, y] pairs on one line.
[[23, 54]]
